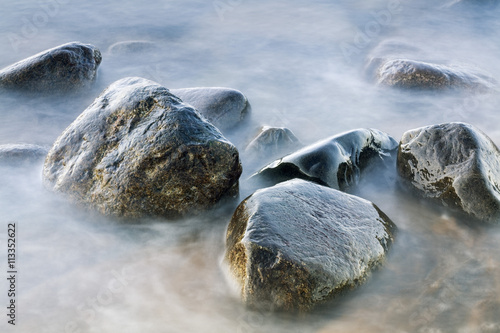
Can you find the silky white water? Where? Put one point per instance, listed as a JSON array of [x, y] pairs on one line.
[[302, 65]]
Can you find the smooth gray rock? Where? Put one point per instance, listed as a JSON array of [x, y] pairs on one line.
[[131, 46], [21, 153], [272, 140], [63, 68], [139, 151], [297, 244], [410, 74], [223, 107], [454, 164], [336, 162]]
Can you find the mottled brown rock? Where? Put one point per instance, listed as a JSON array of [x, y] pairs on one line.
[[298, 244], [139, 151], [410, 74], [454, 164], [63, 68]]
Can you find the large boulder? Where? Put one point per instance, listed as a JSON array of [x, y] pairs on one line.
[[411, 74], [297, 244], [454, 164], [139, 151], [223, 107], [336, 162], [60, 69]]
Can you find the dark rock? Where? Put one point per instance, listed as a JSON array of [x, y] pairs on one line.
[[131, 46], [272, 140], [456, 165], [336, 162], [410, 74], [60, 69], [297, 244], [21, 153], [139, 151], [223, 107]]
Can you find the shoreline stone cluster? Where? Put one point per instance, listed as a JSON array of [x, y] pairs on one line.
[[142, 150]]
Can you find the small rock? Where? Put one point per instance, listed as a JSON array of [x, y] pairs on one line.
[[297, 244], [223, 107], [21, 153], [336, 162], [454, 164], [272, 140], [131, 46], [139, 151], [410, 74], [64, 68]]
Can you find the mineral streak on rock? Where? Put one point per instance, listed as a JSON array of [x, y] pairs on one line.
[[336, 162], [456, 165], [63, 68], [298, 244], [139, 151]]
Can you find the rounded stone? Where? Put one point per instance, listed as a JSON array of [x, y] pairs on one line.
[[298, 244], [139, 151]]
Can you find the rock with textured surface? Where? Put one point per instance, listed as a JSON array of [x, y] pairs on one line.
[[223, 107], [21, 153], [410, 74], [139, 151], [272, 140], [297, 244], [456, 165], [63, 68], [336, 162]]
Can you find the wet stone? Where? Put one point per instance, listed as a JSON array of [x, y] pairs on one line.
[[455, 165], [21, 153], [419, 75], [337, 162], [273, 140], [139, 151], [224, 107], [63, 68], [298, 244], [131, 46]]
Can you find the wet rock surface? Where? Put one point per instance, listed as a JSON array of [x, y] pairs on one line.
[[223, 107], [336, 162], [21, 153], [297, 244], [411, 74], [63, 68], [456, 165], [272, 140], [139, 151]]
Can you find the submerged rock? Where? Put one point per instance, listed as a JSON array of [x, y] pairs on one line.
[[410, 74], [131, 46], [60, 69], [297, 244], [21, 153], [336, 162], [223, 107], [456, 165], [272, 140], [139, 151]]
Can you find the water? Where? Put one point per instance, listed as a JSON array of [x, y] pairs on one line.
[[301, 64]]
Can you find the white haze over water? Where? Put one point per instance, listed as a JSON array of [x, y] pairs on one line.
[[301, 65]]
